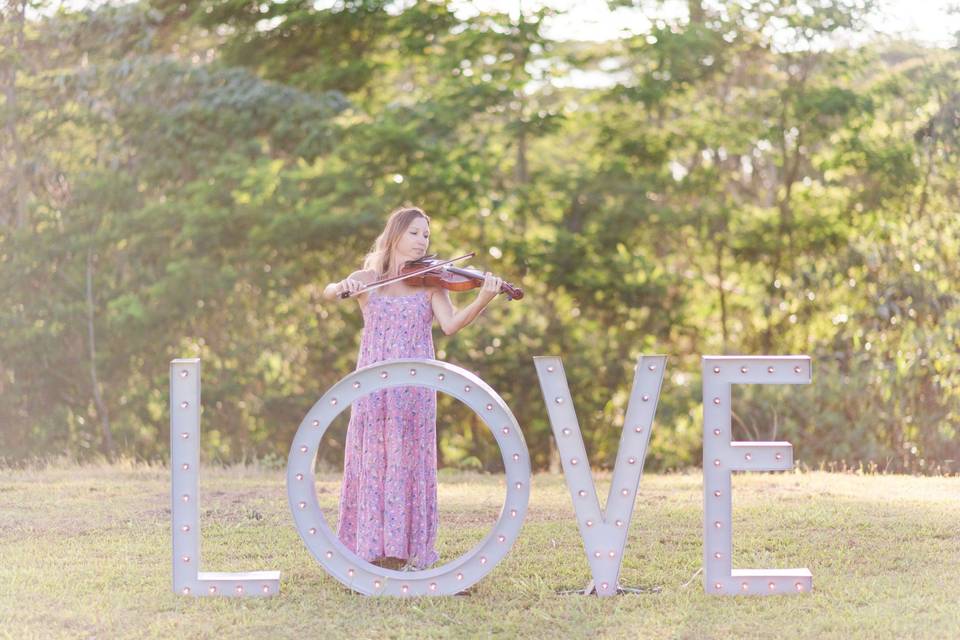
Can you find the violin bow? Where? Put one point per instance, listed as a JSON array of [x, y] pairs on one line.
[[346, 294]]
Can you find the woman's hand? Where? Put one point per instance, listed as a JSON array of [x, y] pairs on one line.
[[490, 288], [349, 284]]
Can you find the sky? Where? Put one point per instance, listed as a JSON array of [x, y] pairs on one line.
[[924, 20]]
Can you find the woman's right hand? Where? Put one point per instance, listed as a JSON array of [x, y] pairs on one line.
[[349, 284]]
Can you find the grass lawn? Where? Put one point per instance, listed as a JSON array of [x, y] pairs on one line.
[[85, 553]]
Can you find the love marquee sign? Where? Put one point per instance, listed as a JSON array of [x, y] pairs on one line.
[[604, 532]]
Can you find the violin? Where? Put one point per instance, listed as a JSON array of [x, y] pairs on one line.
[[428, 271], [452, 278]]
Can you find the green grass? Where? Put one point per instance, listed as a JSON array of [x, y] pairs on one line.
[[85, 553]]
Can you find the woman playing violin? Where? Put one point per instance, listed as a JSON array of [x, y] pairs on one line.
[[409, 244], [388, 500]]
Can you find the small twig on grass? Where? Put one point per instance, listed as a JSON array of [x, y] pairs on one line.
[[687, 583]]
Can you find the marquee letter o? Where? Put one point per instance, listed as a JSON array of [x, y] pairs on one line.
[[341, 562]]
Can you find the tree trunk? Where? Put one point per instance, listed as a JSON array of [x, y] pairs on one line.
[[13, 42], [723, 296], [695, 10], [97, 397]]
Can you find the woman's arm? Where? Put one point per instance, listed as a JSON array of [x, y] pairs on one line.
[[451, 319], [353, 282]]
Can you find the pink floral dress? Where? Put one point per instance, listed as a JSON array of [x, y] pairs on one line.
[[388, 500]]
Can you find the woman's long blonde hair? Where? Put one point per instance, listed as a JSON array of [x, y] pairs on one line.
[[381, 253]]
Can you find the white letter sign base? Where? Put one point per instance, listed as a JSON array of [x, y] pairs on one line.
[[604, 534], [339, 561], [721, 457], [185, 494]]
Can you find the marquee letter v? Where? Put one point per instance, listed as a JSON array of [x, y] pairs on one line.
[[604, 533]]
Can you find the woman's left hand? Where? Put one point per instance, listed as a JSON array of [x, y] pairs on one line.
[[490, 288]]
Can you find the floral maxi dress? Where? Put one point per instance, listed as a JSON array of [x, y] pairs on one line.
[[388, 500]]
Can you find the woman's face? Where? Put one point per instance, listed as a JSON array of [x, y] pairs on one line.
[[414, 241]]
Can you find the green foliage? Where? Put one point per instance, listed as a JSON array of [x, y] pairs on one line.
[[184, 178]]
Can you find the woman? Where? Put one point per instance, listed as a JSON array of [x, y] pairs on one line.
[[388, 500]]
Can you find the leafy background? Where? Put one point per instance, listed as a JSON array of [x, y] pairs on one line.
[[182, 179]]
